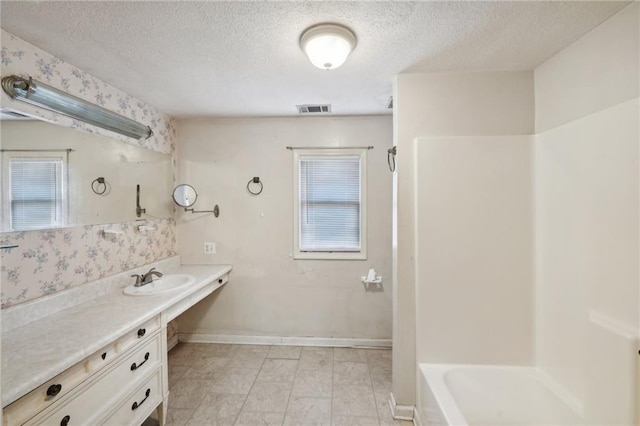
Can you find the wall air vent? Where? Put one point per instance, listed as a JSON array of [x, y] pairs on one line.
[[314, 109]]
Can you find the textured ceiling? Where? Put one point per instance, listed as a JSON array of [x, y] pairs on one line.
[[243, 59]]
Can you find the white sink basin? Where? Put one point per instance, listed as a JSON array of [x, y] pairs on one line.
[[164, 284]]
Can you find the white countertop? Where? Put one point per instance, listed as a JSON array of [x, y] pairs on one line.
[[37, 352]]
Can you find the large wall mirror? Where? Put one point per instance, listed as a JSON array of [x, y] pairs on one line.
[[54, 176]]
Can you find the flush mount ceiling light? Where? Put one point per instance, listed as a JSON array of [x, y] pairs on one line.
[[327, 45]]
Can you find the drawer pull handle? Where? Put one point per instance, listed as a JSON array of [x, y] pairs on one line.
[[54, 390], [104, 355], [142, 332], [136, 405], [65, 421], [134, 367]]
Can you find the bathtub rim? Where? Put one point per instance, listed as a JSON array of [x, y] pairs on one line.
[[435, 374]]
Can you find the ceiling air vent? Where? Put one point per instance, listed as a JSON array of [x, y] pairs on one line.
[[314, 109]]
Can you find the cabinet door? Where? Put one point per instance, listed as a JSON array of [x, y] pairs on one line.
[[140, 403]]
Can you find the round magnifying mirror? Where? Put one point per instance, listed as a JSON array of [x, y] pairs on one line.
[[185, 195]]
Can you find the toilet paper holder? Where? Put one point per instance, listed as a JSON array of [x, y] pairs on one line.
[[371, 278]]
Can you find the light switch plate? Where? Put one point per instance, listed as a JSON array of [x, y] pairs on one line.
[[209, 248]]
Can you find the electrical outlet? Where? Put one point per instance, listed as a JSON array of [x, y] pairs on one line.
[[209, 248]]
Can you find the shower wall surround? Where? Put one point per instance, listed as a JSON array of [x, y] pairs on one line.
[[52, 260], [586, 209], [495, 109]]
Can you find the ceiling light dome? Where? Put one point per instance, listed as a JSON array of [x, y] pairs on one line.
[[327, 45]]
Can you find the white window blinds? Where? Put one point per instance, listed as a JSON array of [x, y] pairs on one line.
[[36, 193], [329, 203]]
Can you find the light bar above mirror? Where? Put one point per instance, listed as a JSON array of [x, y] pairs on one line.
[[45, 96]]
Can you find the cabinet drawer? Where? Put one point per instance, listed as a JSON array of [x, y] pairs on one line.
[[140, 403], [133, 337], [124, 343], [101, 358], [90, 403], [44, 396], [223, 279], [57, 388]]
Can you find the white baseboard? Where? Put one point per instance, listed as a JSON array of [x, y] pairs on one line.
[[400, 412], [172, 342], [416, 418], [277, 340]]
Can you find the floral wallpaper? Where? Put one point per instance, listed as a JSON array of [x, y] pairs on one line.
[[56, 259], [21, 58], [52, 260]]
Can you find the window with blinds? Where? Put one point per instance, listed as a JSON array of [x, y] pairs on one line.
[[329, 204], [36, 192]]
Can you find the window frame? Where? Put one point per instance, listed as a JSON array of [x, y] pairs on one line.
[[330, 255], [7, 156]]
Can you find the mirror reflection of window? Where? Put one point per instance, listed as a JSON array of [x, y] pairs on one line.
[[35, 193], [122, 164]]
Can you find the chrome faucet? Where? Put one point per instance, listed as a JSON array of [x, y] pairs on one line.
[[146, 278]]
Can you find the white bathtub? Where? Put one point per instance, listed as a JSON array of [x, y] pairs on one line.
[[489, 395]]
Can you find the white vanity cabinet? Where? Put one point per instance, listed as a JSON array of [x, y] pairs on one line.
[[101, 361], [119, 385]]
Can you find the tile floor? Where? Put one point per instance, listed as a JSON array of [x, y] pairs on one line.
[[216, 384]]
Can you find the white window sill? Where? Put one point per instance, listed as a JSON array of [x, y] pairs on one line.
[[336, 255]]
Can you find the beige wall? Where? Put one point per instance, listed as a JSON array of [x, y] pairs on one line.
[[269, 293], [474, 289], [597, 71], [429, 105], [586, 188]]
